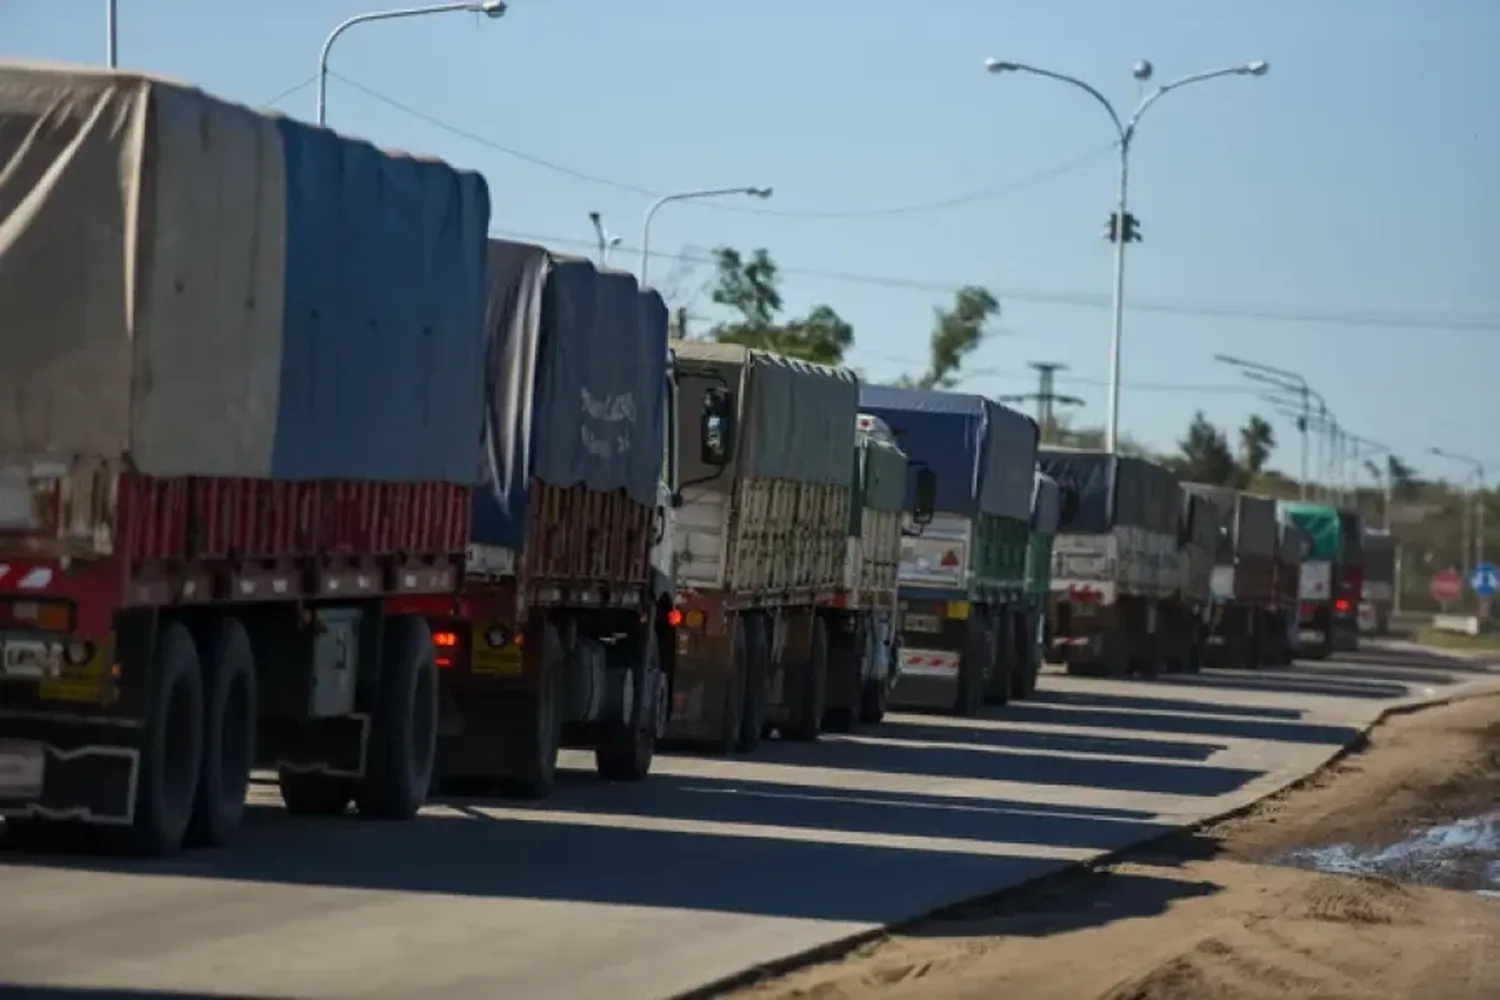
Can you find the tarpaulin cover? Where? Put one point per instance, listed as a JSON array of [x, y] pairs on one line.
[[983, 454], [796, 419], [1046, 505], [1321, 522], [196, 288], [879, 470], [574, 374], [1251, 519], [1204, 518], [1380, 556], [1114, 491]]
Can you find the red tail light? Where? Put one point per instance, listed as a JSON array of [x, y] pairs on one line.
[[1341, 605]]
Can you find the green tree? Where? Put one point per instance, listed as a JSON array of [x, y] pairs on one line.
[[955, 334], [1257, 442], [1062, 432], [1205, 455], [750, 289]]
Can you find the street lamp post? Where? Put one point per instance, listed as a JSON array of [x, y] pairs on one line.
[[1125, 130], [111, 34], [490, 8], [753, 192], [1289, 382], [1476, 500]]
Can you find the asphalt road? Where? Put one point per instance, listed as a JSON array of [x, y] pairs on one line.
[[708, 868]]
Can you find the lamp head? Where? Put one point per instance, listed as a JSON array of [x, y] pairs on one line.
[[1257, 68], [1142, 70], [491, 8], [999, 65], [759, 192]]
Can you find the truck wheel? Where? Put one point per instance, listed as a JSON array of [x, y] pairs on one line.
[[536, 734], [875, 698], [806, 723], [757, 666], [403, 729], [1002, 667], [733, 716], [846, 664], [969, 700], [228, 737], [171, 747], [1023, 676], [624, 750]]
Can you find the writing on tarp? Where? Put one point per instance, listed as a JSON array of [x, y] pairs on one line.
[[617, 413]]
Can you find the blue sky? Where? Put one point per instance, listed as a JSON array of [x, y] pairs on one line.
[[1357, 181]]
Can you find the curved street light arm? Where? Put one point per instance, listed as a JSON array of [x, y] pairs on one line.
[[494, 10], [1128, 131], [756, 192], [1104, 102]]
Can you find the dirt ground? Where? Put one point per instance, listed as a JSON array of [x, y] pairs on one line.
[[1204, 917]]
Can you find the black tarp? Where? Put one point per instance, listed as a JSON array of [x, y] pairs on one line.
[[1114, 490]]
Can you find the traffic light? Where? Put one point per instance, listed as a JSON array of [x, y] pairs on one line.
[[1132, 232]]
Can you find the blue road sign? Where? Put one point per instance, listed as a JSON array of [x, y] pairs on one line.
[[1485, 580]]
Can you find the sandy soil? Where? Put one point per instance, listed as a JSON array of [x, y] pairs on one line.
[[1203, 917]]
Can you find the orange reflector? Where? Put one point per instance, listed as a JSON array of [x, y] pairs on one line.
[[446, 640], [694, 619], [674, 617]]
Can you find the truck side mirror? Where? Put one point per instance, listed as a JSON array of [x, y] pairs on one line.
[[716, 429], [926, 497]]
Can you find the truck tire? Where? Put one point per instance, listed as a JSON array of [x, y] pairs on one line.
[[537, 722], [846, 668], [1023, 678], [228, 736], [624, 750], [806, 722], [171, 747], [752, 726], [403, 727], [969, 700], [997, 688]]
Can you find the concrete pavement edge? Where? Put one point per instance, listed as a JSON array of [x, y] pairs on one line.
[[839, 947]]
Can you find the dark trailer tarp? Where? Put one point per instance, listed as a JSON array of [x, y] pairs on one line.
[[1380, 556], [1046, 505], [574, 373], [1251, 520], [1114, 491], [983, 454]]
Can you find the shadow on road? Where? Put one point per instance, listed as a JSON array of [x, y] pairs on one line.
[[1121, 712], [1127, 702], [489, 851], [1348, 686], [955, 760], [1073, 900], [1030, 739], [883, 813], [1419, 658], [1365, 671]]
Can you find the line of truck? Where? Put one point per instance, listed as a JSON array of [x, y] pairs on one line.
[[301, 470]]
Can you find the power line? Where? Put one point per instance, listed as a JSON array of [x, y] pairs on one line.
[[1263, 314], [967, 198]]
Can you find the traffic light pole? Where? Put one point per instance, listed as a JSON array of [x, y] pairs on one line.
[[1117, 326]]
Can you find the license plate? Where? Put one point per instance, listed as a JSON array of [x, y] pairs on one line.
[[27, 659], [1309, 635], [922, 623], [22, 768]]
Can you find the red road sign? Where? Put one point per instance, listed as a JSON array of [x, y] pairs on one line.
[[1447, 586]]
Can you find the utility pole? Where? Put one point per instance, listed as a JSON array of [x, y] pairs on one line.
[[1046, 397]]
